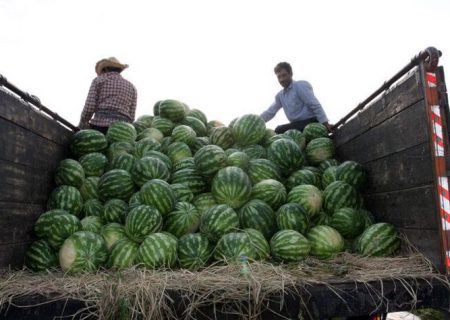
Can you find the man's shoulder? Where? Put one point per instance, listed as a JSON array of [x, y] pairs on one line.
[[302, 84]]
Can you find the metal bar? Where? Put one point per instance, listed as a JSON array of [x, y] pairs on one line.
[[36, 102], [431, 58]]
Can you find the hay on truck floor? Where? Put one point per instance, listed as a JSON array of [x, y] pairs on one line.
[[149, 294]]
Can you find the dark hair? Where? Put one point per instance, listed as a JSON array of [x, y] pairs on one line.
[[283, 65], [112, 69]]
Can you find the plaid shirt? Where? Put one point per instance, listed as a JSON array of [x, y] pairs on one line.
[[111, 98]]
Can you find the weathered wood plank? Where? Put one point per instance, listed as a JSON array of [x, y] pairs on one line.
[[13, 255], [400, 132], [411, 208], [17, 221], [400, 97], [21, 183], [402, 170], [22, 146], [24, 115]]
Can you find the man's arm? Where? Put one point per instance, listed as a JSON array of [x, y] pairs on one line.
[[133, 105], [272, 111], [89, 106]]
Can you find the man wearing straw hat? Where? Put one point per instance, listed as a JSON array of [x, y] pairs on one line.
[[111, 98]]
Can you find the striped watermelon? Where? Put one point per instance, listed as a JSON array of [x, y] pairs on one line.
[[172, 109], [87, 141], [123, 254], [233, 245], [139, 126], [210, 159], [70, 173], [146, 119], [135, 200], [89, 188], [161, 156], [111, 233], [182, 192], [67, 198], [124, 161], [289, 246], [211, 125], [340, 194], [142, 147], [156, 109], [248, 129], [217, 221], [40, 256], [303, 176], [199, 115], [325, 241], [190, 178], [44, 223], [270, 191], [286, 154], [380, 240], [255, 151], [221, 136], [186, 163], [158, 250], [183, 133], [292, 216], [258, 215], [329, 176], [368, 218], [159, 194], [238, 159], [148, 168], [94, 164], [348, 222], [115, 210], [267, 140], [91, 223], [164, 125], [83, 251], [315, 130], [184, 219], [197, 125], [116, 184], [92, 207], [119, 147], [177, 151], [152, 133], [194, 251], [259, 243], [297, 136], [142, 221], [204, 201], [320, 149], [325, 164], [262, 169], [121, 131], [351, 172], [199, 143], [232, 186], [308, 196], [321, 219]]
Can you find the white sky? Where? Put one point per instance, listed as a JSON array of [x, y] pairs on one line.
[[217, 56]]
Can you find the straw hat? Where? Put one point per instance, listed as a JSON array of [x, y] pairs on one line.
[[109, 62]]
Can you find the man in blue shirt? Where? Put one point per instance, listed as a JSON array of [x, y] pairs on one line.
[[297, 100]]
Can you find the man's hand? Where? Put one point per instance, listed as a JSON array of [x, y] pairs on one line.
[[330, 127]]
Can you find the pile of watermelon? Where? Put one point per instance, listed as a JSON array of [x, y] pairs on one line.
[[176, 190]]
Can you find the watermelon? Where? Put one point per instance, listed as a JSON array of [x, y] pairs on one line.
[[89, 188], [135, 200], [92, 207], [70, 173], [233, 245], [87, 141], [44, 223], [258, 215], [83, 251], [348, 222], [40, 256], [255, 151], [116, 184], [184, 219], [152, 133], [238, 159], [183, 133], [159, 194], [315, 130], [248, 129], [297, 136], [194, 251], [262, 169], [259, 243], [197, 125], [111, 233], [198, 143], [221, 136], [379, 240], [94, 164], [340, 194], [321, 219], [124, 161], [303, 176], [145, 145], [308, 196], [292, 216], [145, 119], [177, 151], [123, 254], [158, 250], [199, 115], [270, 191], [115, 210], [182, 192], [148, 168], [139, 126], [286, 154], [211, 125], [329, 176], [209, 159], [185, 163], [172, 109], [91, 223], [161, 156], [121, 131], [119, 147], [217, 221], [142, 221], [319, 149], [289, 246], [190, 178], [204, 201], [368, 218], [351, 172], [156, 109], [325, 164], [164, 125], [325, 241], [67, 198], [232, 186]]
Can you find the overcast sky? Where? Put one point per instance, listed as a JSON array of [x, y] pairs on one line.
[[217, 56]]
